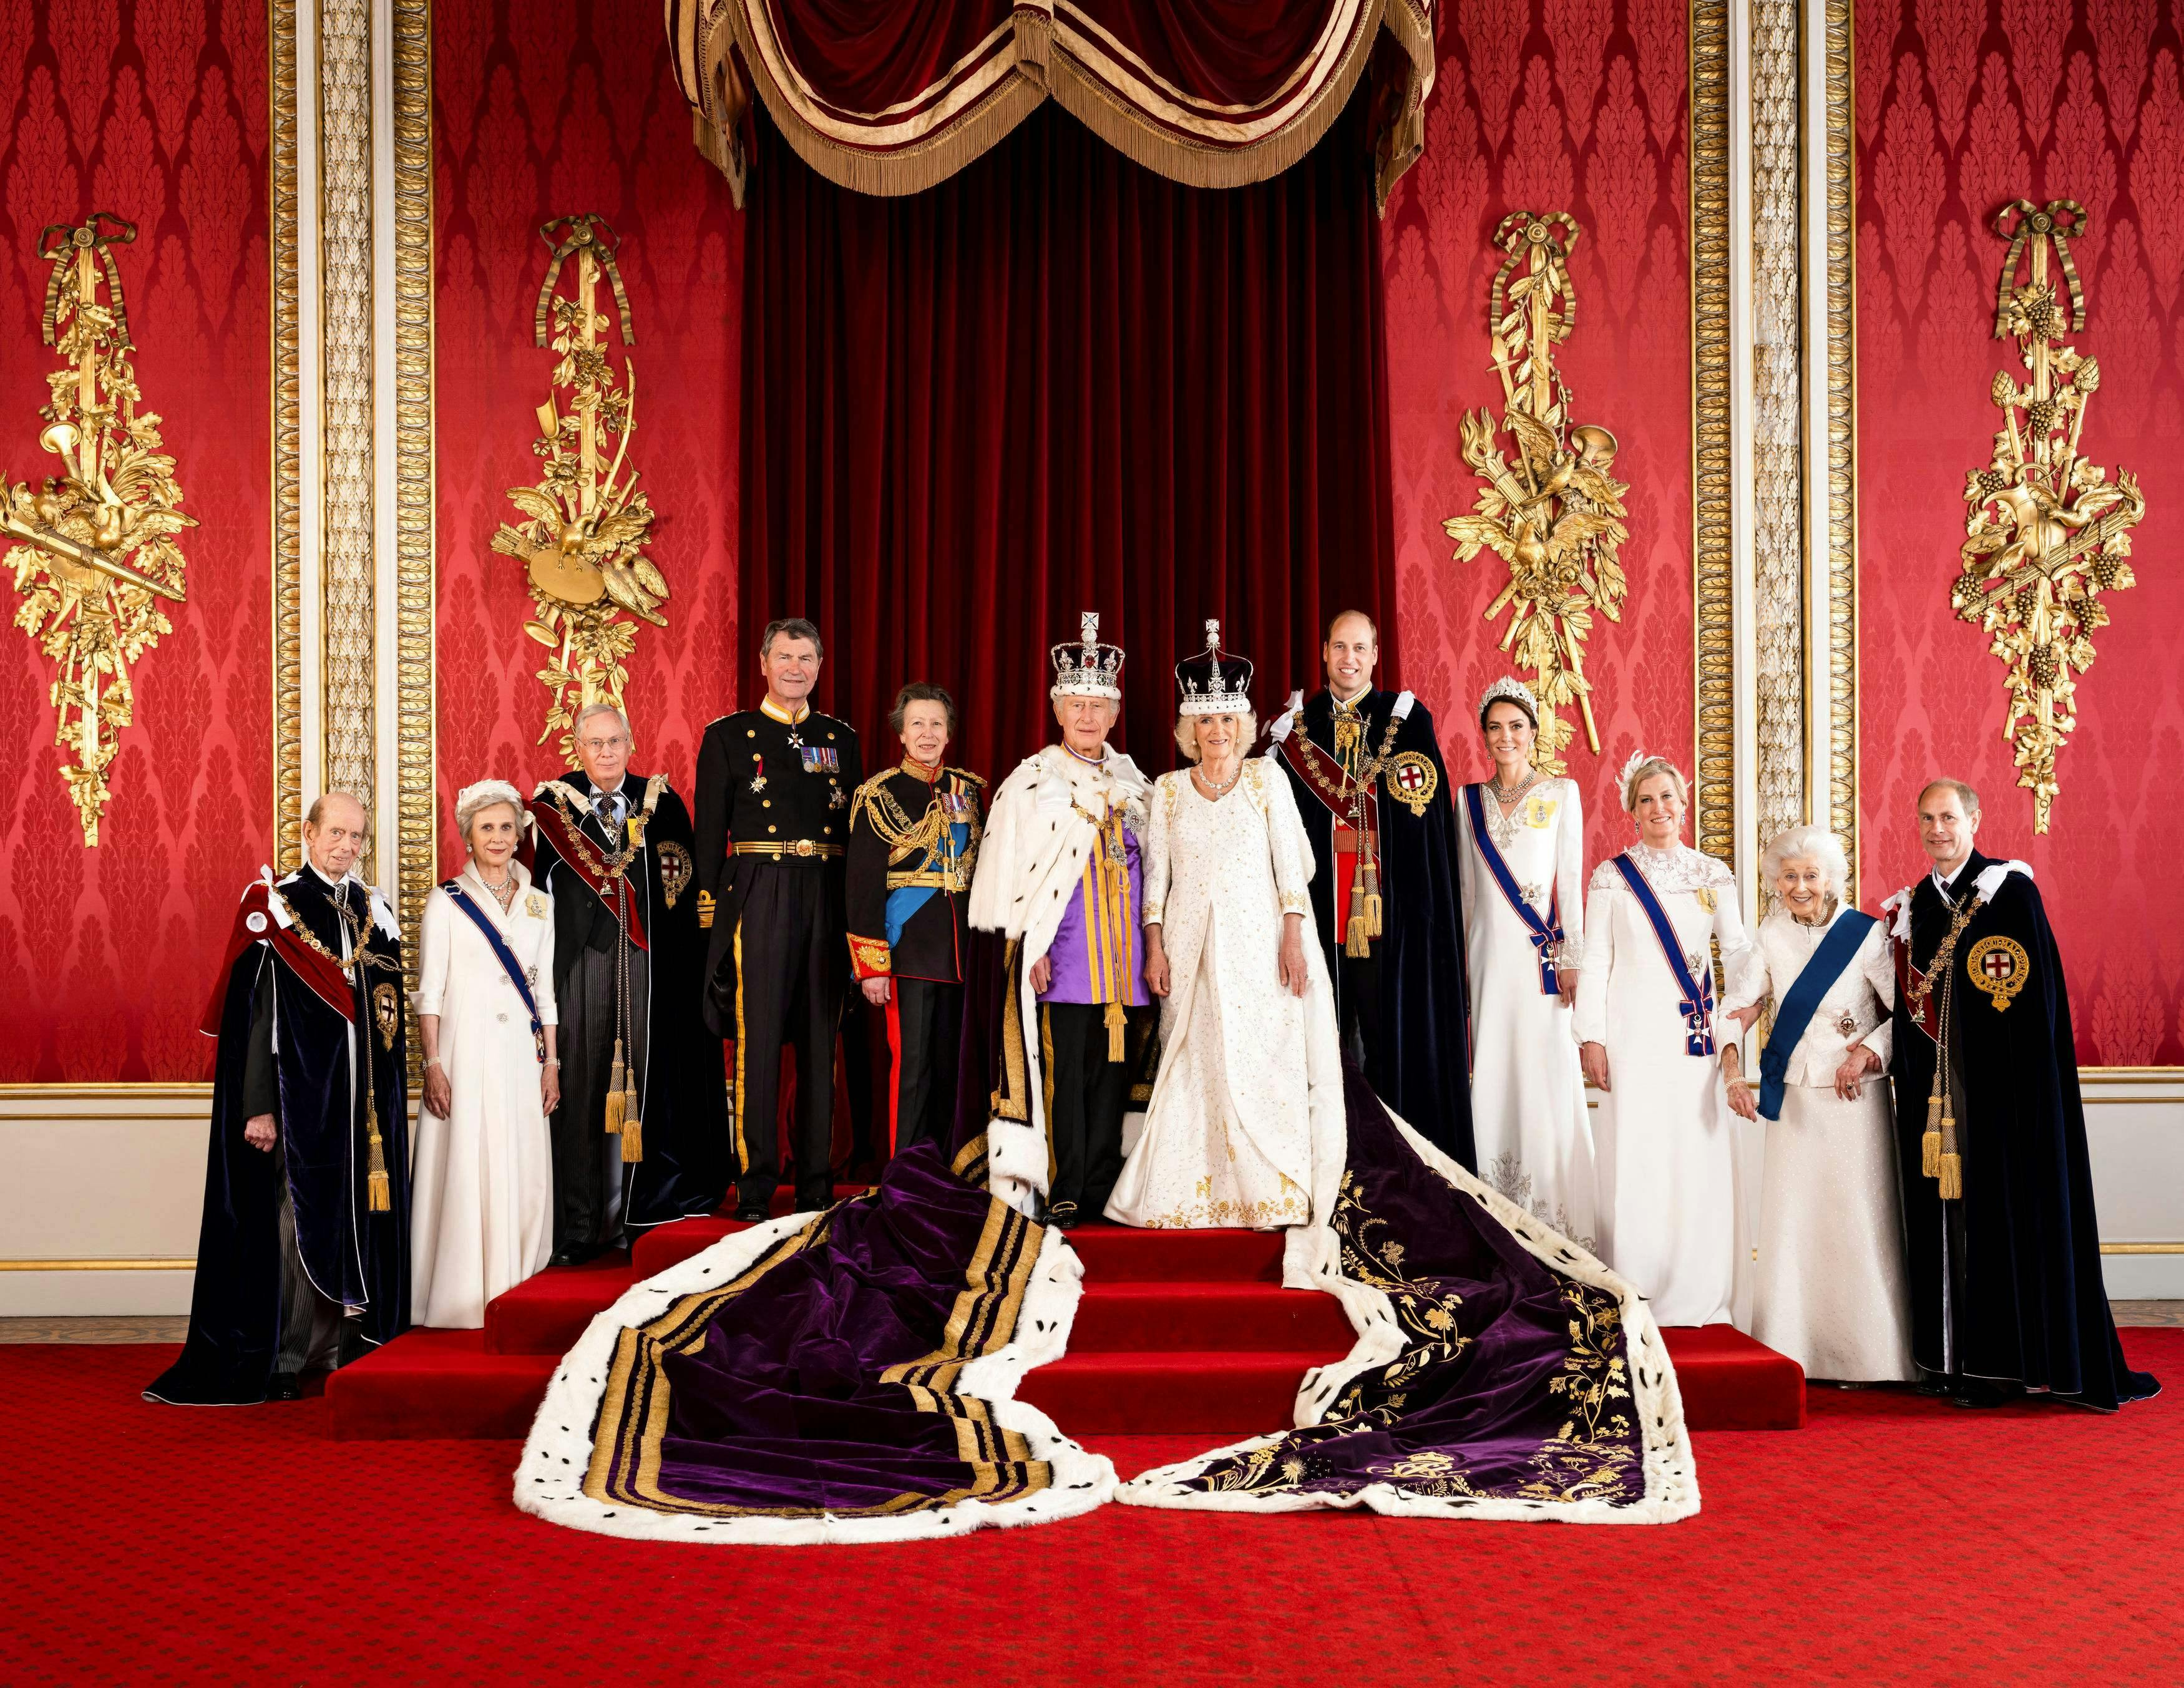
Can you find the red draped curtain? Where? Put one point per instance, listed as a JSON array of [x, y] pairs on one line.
[[1058, 381]]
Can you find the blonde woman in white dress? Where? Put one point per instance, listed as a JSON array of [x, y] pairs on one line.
[[481, 1205], [1522, 869], [1650, 1029], [1829, 1290], [1250, 1057]]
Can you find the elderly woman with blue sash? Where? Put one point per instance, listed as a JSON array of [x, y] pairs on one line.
[[1649, 1037], [1829, 1288], [482, 1204]]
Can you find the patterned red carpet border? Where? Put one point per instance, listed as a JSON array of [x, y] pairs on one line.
[[1896, 1540]]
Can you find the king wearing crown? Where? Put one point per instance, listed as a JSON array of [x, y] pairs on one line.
[[1061, 878]]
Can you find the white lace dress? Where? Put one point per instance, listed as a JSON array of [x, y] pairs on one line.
[[482, 1185], [1228, 1138], [1663, 1139], [1528, 1111], [1829, 1289]]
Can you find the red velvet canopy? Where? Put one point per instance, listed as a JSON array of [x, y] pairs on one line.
[[892, 97]]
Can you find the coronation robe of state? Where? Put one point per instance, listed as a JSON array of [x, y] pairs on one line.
[[2005, 1278], [628, 965], [309, 1013], [1369, 781]]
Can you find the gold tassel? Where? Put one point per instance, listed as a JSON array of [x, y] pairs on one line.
[[617, 1078], [1116, 1023], [1953, 1178], [378, 1188], [1355, 943], [632, 1131], [1929, 1145]]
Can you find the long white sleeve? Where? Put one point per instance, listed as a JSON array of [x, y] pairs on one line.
[[1569, 876], [542, 990], [435, 942], [1591, 1016], [1286, 838], [1877, 965], [1738, 951], [1750, 982], [1154, 863]]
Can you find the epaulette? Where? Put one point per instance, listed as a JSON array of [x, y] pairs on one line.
[[978, 780], [874, 784]]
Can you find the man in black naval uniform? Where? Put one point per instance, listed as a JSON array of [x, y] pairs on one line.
[[914, 835], [613, 848], [774, 785]]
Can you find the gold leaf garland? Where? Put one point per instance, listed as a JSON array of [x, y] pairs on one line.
[[2047, 532], [1548, 505], [94, 549], [583, 525]]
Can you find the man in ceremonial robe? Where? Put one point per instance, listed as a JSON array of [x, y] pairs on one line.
[[1061, 878], [2005, 1257], [1366, 770], [913, 832], [641, 1135], [774, 785], [304, 1253]]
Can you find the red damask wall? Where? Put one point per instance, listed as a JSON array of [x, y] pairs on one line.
[[544, 108], [1551, 105], [156, 113], [1964, 105]]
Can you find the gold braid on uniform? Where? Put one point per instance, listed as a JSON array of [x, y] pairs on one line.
[[906, 838]]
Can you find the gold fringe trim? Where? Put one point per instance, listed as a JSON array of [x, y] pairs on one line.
[[378, 1188], [1953, 1178], [632, 1131], [1117, 1021]]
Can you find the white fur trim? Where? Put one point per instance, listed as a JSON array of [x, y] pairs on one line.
[[1286, 720], [1672, 1489], [549, 1479]]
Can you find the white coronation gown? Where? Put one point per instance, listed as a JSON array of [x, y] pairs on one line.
[[1830, 1290], [1229, 1135], [482, 1189], [1662, 1141], [1527, 1112]]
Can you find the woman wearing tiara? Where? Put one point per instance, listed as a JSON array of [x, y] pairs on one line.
[[1250, 1055], [1650, 1031], [1521, 867]]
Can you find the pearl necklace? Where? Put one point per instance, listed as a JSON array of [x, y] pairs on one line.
[[1505, 796]]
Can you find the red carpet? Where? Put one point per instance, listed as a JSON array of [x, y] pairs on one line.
[[1897, 1540], [1178, 1332]]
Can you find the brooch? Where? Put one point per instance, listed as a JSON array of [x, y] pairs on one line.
[[1412, 780], [535, 906], [1998, 967], [758, 779]]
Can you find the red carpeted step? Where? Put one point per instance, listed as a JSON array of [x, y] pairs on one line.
[[1731, 1383], [1223, 1395], [545, 1314], [1125, 1316], [1118, 1253], [666, 1245], [438, 1383]]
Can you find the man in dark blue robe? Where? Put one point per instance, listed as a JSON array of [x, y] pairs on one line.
[[2005, 1254], [1366, 770], [304, 1253]]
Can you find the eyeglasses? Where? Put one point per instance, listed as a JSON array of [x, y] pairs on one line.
[[603, 743]]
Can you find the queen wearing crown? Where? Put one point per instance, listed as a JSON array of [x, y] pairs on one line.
[[1521, 869], [1250, 1052]]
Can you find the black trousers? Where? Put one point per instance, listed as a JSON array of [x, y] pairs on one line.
[[587, 1174], [925, 1030], [1086, 1095], [1357, 1000], [790, 964]]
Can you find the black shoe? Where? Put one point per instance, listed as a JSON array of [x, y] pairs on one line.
[[574, 1254], [1061, 1215], [284, 1386], [752, 1215]]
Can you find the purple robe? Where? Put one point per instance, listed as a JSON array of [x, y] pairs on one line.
[[1099, 951]]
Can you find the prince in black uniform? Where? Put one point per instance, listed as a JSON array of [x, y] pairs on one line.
[[914, 835], [774, 785]]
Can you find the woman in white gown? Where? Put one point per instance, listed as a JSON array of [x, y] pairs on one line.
[[1649, 1026], [1829, 1291], [1521, 869], [1249, 1053], [482, 1194]]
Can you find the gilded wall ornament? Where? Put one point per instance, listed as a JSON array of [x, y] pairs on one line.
[[2047, 532], [94, 549], [583, 528], [1548, 505]]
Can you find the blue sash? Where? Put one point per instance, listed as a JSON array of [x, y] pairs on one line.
[[905, 900], [514, 968], [1697, 1005], [1547, 932], [1794, 1011]]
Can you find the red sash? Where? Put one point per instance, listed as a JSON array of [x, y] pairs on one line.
[[254, 923], [578, 853], [1324, 777], [1919, 1008]]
